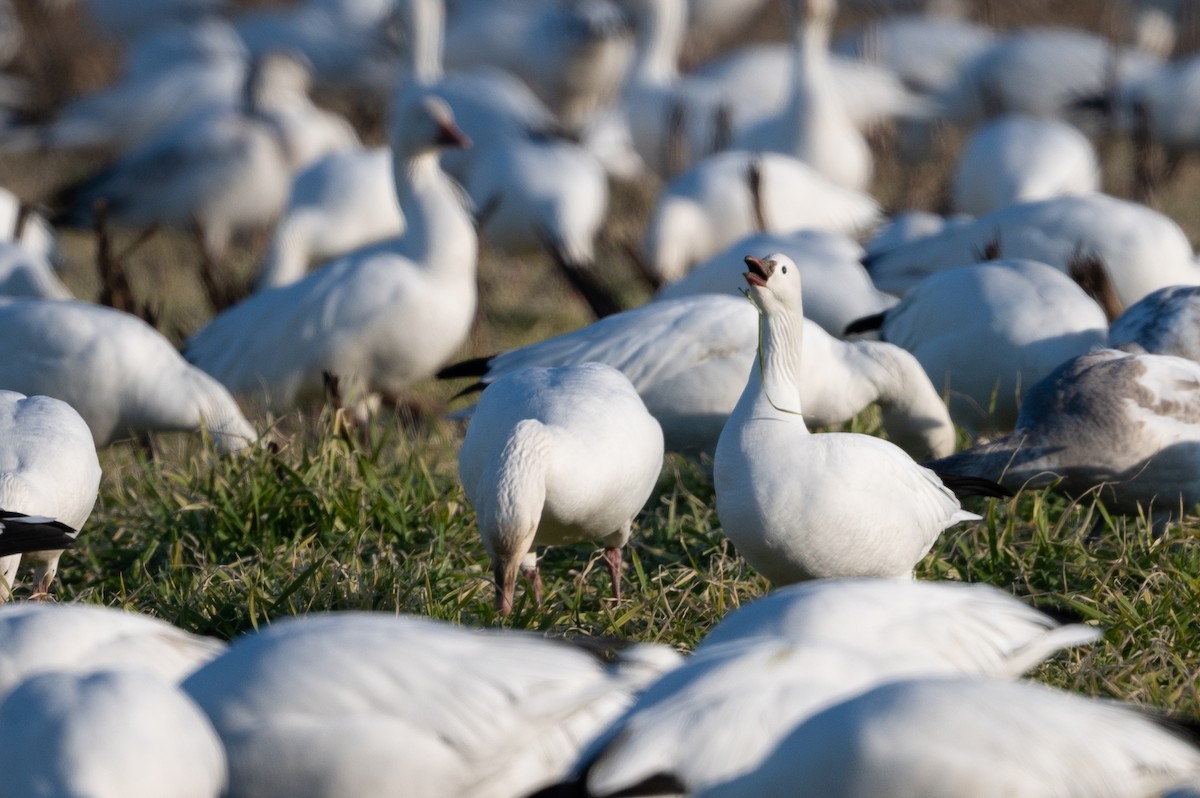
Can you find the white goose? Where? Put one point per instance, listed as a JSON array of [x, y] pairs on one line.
[[1027, 317], [1118, 425], [79, 638], [731, 195], [784, 657], [378, 319], [557, 455], [573, 55], [217, 172], [26, 273], [912, 738], [1020, 159], [802, 506], [1142, 250], [688, 357], [814, 126], [118, 372], [112, 734], [49, 479], [328, 706], [837, 289]]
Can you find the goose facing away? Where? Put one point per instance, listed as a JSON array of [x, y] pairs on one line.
[[109, 734], [797, 650], [687, 358], [1027, 317], [1119, 424], [118, 372], [333, 705], [558, 455], [49, 480], [378, 319], [802, 506], [1164, 322]]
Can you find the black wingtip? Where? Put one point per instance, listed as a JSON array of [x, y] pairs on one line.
[[657, 785], [21, 534], [865, 324], [964, 486], [474, 367]]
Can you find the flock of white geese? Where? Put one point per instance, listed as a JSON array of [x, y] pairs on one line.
[[1057, 320]]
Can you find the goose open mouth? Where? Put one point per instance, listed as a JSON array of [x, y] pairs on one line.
[[759, 271], [450, 135]]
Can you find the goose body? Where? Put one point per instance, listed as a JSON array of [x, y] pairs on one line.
[[80, 638], [837, 289], [1027, 316], [169, 75], [1142, 250], [784, 657], [1020, 159], [378, 319], [574, 56], [803, 506], [359, 704], [558, 455], [1120, 425], [814, 126], [687, 358], [734, 194], [118, 372], [49, 471], [111, 734], [912, 738]]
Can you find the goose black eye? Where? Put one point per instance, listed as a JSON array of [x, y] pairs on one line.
[[783, 269]]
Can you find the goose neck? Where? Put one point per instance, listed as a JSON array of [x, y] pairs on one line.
[[426, 25], [438, 229], [660, 31], [774, 386]]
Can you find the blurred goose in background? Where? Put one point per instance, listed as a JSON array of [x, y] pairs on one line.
[[911, 737], [1026, 316], [380, 318], [1022, 159], [219, 172], [111, 734], [169, 75], [342, 202], [1141, 250], [837, 289], [557, 455], [80, 638], [1041, 72], [331, 705], [731, 195], [1120, 425], [723, 710], [118, 372], [1164, 322], [349, 43], [573, 55], [803, 506], [925, 51], [688, 358], [814, 126], [49, 480], [672, 120]]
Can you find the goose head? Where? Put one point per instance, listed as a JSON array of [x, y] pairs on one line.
[[774, 283], [276, 79], [425, 124]]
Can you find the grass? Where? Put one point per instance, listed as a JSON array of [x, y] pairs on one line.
[[323, 521]]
